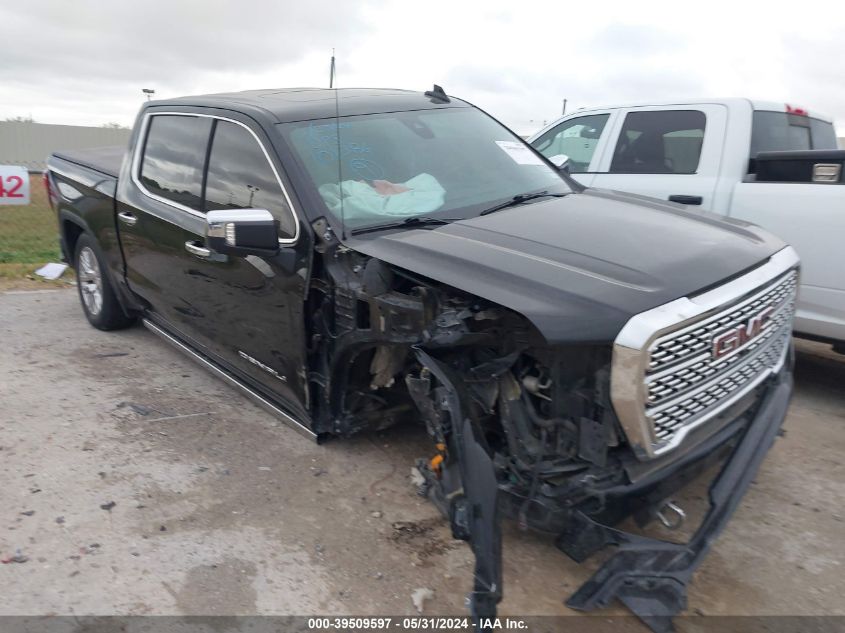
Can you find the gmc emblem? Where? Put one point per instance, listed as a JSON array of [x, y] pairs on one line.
[[733, 339]]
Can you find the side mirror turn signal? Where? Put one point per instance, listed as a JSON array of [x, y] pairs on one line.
[[242, 232]]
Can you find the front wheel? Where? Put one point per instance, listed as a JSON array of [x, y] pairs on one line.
[[96, 294]]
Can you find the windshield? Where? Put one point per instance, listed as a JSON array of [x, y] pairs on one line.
[[449, 163]]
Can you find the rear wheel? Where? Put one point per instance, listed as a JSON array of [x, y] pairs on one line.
[[96, 294]]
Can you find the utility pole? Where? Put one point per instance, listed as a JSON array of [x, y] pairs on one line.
[[331, 72], [564, 108]]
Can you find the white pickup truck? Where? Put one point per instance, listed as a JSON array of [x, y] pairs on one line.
[[767, 163]]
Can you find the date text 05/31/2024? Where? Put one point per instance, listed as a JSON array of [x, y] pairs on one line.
[[413, 624]]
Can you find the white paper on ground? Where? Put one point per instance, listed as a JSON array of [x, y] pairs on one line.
[[520, 153], [51, 271]]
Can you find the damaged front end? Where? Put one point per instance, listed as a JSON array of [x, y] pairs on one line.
[[520, 428]]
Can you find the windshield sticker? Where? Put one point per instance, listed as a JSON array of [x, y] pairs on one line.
[[520, 153], [326, 149]]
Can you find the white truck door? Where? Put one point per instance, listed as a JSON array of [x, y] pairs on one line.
[[811, 218], [580, 137], [667, 152]]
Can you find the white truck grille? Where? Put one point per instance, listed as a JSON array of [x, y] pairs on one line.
[[684, 371]]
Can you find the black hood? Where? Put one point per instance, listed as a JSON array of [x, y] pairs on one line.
[[579, 267]]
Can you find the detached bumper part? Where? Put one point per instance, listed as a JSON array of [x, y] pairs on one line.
[[649, 576], [470, 493]]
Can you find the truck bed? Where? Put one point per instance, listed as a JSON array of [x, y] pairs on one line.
[[800, 166], [106, 160]]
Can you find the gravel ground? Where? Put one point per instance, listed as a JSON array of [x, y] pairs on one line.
[[136, 483]]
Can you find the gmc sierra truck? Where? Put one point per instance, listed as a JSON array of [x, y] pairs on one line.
[[353, 259], [772, 164]]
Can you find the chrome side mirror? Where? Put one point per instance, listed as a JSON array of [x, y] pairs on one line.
[[561, 161], [242, 232]]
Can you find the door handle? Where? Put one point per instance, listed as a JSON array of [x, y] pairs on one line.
[[196, 249], [684, 199], [127, 218]]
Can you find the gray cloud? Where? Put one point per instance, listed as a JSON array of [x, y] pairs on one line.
[[814, 74], [91, 50], [523, 95], [635, 40], [167, 40], [86, 60]]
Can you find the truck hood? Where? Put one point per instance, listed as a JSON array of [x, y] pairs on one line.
[[580, 266]]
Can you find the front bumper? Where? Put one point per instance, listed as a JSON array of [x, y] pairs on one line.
[[650, 576]]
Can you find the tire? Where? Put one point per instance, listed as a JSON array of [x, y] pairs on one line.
[[99, 302]]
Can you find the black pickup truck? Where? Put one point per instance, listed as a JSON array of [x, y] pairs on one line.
[[353, 259]]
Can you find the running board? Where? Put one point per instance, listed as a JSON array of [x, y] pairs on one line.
[[229, 378]]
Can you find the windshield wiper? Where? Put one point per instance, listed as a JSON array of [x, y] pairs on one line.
[[416, 221], [519, 199]]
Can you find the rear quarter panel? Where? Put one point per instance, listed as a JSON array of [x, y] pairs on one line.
[[85, 198]]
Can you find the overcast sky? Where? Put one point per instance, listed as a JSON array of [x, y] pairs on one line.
[[85, 62]]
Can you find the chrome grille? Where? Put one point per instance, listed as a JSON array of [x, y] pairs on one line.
[[691, 341], [686, 382], [668, 421], [666, 382], [681, 364]]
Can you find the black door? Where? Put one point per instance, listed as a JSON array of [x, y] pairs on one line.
[[244, 312]]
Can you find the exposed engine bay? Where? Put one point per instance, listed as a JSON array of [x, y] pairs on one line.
[[518, 429]]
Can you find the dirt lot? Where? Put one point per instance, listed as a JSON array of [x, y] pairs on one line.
[[136, 483]]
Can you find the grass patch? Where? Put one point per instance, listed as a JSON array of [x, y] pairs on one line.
[[29, 234]]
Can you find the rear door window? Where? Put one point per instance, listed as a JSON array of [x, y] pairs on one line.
[[174, 157], [240, 176], [660, 142], [576, 138]]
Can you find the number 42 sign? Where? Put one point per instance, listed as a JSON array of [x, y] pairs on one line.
[[14, 185]]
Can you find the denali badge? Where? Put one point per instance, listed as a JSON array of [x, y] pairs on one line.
[[261, 365], [733, 339]]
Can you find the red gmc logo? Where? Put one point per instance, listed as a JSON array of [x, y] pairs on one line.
[[733, 339]]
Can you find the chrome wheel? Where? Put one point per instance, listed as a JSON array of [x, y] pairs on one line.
[[90, 281]]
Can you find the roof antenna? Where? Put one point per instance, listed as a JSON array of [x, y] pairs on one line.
[[331, 72], [437, 94]]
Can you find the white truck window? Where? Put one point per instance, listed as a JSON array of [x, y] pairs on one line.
[[782, 131], [577, 138], [659, 142]]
